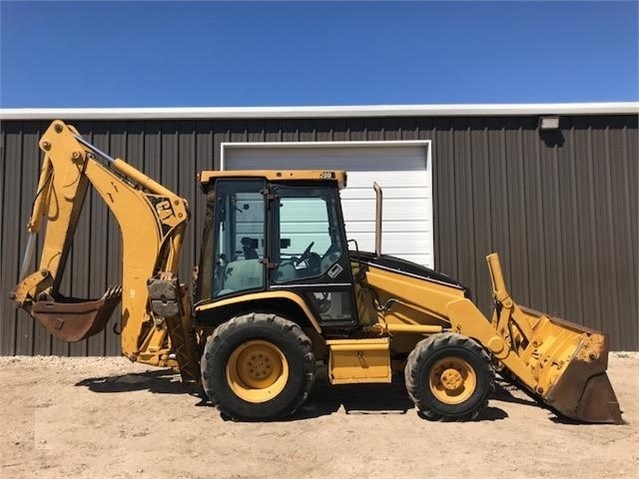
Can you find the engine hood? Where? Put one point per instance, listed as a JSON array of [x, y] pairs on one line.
[[409, 268]]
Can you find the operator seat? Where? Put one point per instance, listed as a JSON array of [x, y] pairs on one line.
[[242, 275]]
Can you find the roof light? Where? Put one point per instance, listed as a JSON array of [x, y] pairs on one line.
[[548, 123]]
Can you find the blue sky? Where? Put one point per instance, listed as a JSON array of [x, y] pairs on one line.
[[121, 54]]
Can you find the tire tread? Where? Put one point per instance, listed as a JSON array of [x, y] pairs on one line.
[[427, 347], [251, 320]]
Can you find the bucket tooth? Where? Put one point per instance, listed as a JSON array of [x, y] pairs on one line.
[[73, 319]]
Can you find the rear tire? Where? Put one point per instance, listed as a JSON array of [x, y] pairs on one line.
[[258, 367], [449, 377]]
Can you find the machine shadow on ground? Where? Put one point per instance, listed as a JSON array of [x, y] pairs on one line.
[[370, 399], [503, 392], [324, 399], [160, 381]]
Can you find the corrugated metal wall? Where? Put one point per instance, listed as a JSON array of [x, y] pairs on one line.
[[560, 208]]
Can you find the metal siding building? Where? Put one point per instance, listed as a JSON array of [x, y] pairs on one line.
[[561, 207]]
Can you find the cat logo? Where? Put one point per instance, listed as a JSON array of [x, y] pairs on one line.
[[164, 210]]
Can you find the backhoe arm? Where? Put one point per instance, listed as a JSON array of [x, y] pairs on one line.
[[152, 222]]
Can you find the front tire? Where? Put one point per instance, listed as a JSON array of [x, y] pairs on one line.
[[449, 377], [258, 367]]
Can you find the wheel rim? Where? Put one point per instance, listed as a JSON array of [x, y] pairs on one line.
[[257, 371], [452, 380]]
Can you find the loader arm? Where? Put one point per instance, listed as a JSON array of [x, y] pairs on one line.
[[152, 222], [563, 364]]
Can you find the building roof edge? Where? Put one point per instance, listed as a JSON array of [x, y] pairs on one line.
[[519, 109]]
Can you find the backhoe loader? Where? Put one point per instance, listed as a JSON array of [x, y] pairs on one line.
[[279, 289]]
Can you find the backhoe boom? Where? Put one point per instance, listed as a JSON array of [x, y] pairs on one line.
[[152, 222]]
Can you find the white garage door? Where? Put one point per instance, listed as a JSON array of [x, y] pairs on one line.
[[402, 169]]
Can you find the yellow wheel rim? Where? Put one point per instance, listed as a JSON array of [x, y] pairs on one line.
[[257, 371], [452, 380]]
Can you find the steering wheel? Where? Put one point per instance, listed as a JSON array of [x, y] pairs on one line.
[[306, 254]]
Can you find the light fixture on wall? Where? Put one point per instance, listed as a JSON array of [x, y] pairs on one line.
[[548, 123]]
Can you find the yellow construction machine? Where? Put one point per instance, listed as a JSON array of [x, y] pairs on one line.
[[277, 291]]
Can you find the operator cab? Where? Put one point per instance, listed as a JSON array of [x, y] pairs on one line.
[[278, 231]]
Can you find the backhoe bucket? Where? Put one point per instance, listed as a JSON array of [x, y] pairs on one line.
[[573, 360], [72, 319]]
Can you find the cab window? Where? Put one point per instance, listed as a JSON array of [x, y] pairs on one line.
[[307, 241], [238, 239]]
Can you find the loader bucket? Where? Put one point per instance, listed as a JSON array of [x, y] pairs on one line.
[[575, 369], [564, 363], [72, 319]]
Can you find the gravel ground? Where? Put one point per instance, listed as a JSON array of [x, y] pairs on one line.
[[109, 418]]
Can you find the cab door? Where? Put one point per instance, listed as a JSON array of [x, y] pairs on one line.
[[238, 238], [309, 252]]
